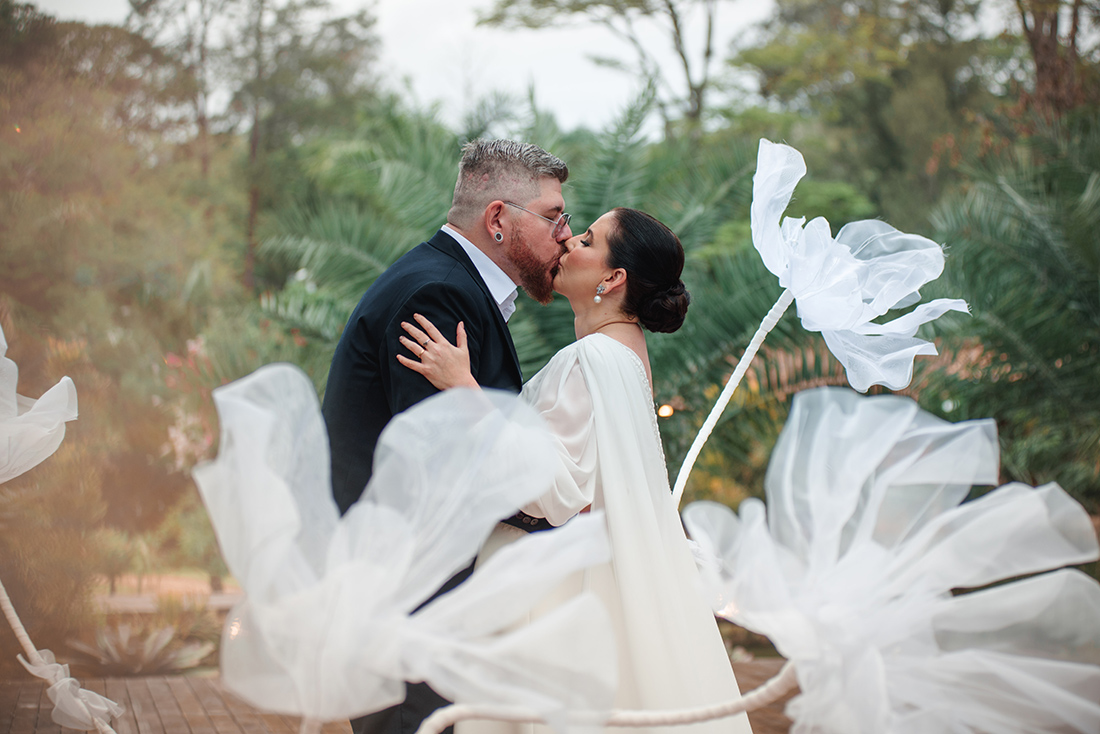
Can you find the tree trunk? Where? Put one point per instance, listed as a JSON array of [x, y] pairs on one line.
[[254, 155], [201, 117], [200, 113], [1057, 87], [253, 215]]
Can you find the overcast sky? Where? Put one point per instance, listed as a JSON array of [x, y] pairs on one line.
[[436, 46]]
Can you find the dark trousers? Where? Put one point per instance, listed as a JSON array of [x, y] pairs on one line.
[[420, 700]]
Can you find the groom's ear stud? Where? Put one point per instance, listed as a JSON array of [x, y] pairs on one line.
[[499, 237]]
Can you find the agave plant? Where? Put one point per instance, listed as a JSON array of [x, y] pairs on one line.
[[122, 650]]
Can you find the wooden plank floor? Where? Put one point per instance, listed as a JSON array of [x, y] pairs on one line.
[[200, 705]]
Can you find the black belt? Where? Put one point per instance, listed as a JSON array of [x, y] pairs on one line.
[[528, 523]]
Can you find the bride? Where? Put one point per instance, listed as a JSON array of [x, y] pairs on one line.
[[620, 277]]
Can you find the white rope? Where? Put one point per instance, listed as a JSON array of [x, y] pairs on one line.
[[769, 322], [783, 683], [54, 677], [18, 628]]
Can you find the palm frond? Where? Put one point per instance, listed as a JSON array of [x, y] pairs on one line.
[[613, 173], [1022, 250]]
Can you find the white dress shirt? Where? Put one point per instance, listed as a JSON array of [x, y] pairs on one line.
[[501, 287]]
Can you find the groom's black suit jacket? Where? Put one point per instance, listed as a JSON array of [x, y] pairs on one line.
[[367, 387], [366, 384]]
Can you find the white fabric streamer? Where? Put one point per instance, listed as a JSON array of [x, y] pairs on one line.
[[328, 629], [838, 285], [30, 430], [841, 284], [74, 707], [851, 576]]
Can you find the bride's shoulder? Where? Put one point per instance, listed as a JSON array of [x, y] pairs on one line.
[[580, 355], [591, 351], [607, 348]]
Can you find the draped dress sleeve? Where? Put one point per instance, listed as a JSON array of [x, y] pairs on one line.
[[560, 394], [597, 400]]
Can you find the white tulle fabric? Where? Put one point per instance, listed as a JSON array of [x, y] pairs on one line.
[[30, 430], [840, 284], [851, 576], [327, 629], [596, 398], [74, 708]]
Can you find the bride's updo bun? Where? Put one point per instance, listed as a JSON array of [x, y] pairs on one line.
[[653, 258]]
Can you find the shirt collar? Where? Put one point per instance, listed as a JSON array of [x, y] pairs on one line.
[[501, 287]]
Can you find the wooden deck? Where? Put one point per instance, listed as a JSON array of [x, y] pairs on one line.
[[200, 705]]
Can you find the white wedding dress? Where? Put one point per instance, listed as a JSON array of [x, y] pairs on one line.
[[596, 398]]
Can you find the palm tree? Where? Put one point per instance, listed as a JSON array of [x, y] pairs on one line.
[[1023, 251]]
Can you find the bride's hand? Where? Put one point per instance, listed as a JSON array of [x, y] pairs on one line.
[[443, 364]]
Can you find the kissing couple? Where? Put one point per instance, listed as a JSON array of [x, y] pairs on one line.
[[438, 319]]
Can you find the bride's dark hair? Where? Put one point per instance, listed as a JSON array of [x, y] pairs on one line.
[[653, 258]]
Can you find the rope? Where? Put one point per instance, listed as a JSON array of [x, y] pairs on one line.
[[783, 683], [18, 628], [37, 660], [769, 322]]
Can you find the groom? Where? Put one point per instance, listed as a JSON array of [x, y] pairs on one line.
[[506, 228]]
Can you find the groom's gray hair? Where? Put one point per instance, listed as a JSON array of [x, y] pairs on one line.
[[504, 170]]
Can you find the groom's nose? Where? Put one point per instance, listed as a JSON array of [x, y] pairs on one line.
[[564, 236]]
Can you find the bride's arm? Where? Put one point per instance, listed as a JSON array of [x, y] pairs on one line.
[[441, 363], [560, 394]]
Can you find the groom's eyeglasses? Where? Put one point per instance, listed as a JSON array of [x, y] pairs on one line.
[[559, 224]]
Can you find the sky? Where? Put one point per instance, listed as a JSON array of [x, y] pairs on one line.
[[434, 49]]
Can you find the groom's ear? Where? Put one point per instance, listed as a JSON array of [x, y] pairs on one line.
[[494, 218]]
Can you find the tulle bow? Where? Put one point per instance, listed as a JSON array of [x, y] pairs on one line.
[[851, 571], [30, 430], [331, 627], [74, 707]]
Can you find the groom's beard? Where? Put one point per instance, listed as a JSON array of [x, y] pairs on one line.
[[536, 277]]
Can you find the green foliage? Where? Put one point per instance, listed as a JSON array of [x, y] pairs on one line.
[[46, 561], [1023, 251], [114, 554], [309, 68], [111, 251], [377, 196], [185, 539], [888, 87]]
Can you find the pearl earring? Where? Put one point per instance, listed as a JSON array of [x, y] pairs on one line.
[[599, 291]]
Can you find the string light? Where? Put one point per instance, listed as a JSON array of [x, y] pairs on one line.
[[665, 411]]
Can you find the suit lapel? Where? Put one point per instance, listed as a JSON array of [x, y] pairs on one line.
[[448, 246]]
